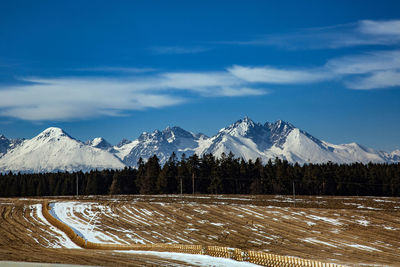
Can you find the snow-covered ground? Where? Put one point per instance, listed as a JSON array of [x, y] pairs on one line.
[[195, 260], [71, 212], [67, 211], [83, 218], [62, 239]]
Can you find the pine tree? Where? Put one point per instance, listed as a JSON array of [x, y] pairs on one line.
[[167, 179], [152, 170], [115, 187]]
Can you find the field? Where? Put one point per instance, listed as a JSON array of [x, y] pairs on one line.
[[354, 231]]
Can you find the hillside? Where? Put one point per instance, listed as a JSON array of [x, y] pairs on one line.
[[54, 150]]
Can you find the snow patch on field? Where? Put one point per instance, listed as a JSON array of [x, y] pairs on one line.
[[65, 212], [217, 224], [195, 260], [325, 219], [363, 222], [316, 241], [362, 247], [63, 239]]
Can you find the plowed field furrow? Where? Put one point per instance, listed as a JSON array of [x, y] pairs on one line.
[[350, 230]]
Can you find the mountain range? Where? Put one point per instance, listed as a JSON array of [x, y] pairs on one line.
[[54, 150]]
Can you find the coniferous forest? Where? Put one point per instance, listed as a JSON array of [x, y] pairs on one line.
[[210, 175]]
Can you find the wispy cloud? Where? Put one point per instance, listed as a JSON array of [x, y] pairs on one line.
[[178, 49], [80, 97], [363, 32], [116, 69], [365, 63], [64, 99], [279, 76], [86, 97], [378, 79], [388, 27], [373, 70]]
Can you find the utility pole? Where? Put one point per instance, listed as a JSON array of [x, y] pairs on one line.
[[77, 182], [181, 186], [294, 195], [193, 183]]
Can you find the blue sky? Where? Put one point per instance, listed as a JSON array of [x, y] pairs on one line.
[[116, 69]]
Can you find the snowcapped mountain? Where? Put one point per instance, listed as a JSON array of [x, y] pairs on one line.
[[249, 140], [8, 144], [161, 144], [101, 143], [54, 150], [395, 155], [281, 139], [4, 145]]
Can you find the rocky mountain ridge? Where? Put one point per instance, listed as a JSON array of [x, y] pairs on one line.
[[55, 150]]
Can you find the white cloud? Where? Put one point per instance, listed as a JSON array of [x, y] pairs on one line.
[[364, 32], [373, 70], [116, 69], [63, 99], [379, 79], [388, 27], [278, 76], [228, 91], [86, 97], [77, 97], [369, 62], [207, 84]]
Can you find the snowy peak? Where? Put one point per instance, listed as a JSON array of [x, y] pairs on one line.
[[52, 134], [159, 143], [54, 150], [263, 136], [4, 145], [396, 152], [244, 138], [145, 136], [395, 155], [280, 127], [240, 128], [123, 142], [279, 131], [99, 142], [8, 144], [169, 134], [179, 137], [173, 133]]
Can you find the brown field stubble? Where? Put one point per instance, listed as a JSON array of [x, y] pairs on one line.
[[348, 230]]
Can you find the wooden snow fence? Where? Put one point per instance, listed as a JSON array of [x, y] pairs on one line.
[[273, 260], [256, 257], [217, 251]]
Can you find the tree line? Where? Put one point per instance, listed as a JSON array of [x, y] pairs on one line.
[[211, 175]]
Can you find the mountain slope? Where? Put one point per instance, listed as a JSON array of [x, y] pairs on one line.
[[281, 139], [159, 143], [54, 150], [248, 140], [8, 144], [4, 145]]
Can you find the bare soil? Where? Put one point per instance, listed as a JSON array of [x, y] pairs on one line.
[[356, 231]]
